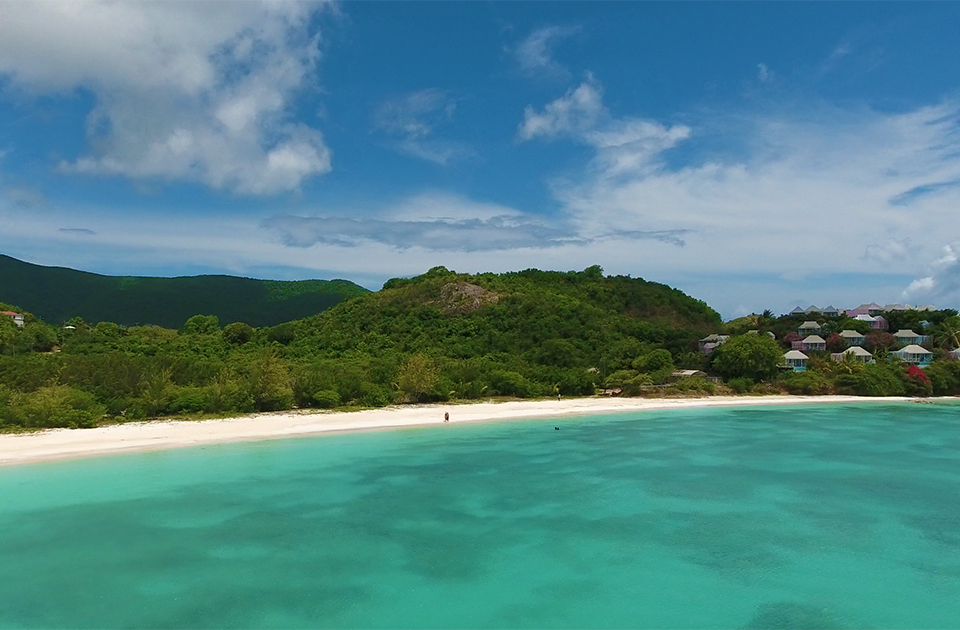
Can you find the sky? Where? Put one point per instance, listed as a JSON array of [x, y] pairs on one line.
[[754, 155]]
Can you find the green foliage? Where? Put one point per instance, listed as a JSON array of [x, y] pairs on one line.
[[238, 333], [807, 383], [47, 407], [883, 378], [695, 384], [753, 356], [268, 380], [741, 385], [658, 360], [417, 376], [201, 325]]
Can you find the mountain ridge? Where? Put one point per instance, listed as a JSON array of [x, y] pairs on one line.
[[57, 294]]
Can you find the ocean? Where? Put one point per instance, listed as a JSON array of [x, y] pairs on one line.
[[817, 516]]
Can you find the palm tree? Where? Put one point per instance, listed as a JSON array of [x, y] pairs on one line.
[[947, 334]]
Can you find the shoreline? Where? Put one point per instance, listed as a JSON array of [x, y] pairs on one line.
[[155, 435]]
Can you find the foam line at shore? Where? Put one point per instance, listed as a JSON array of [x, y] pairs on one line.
[[59, 444]]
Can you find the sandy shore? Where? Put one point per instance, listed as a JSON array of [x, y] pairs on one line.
[[57, 444]]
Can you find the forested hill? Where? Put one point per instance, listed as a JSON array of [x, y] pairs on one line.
[[57, 294], [562, 320]]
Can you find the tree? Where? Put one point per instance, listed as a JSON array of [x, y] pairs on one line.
[[836, 343], [238, 333], [418, 376], [658, 360], [753, 356], [268, 381], [201, 325], [947, 334]]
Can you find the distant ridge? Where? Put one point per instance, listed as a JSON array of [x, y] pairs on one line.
[[58, 293]]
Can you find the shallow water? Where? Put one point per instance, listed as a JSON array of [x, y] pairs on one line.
[[844, 516]]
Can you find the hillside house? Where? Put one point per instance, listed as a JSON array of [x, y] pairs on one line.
[[915, 355], [813, 343], [708, 343], [853, 337], [16, 317], [809, 328], [796, 360], [872, 309], [954, 354], [830, 311], [797, 312], [907, 337], [854, 353], [892, 308], [812, 310], [876, 323]]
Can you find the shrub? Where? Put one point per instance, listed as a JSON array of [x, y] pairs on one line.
[[634, 386], [740, 385], [806, 383], [52, 406], [326, 399], [191, 400]]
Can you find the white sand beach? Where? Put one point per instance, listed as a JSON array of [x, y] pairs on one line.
[[58, 444]]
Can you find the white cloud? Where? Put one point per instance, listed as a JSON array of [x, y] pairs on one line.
[[764, 74], [184, 91], [943, 280], [577, 111], [411, 119], [535, 53]]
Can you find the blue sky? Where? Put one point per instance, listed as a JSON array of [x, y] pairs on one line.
[[754, 155]]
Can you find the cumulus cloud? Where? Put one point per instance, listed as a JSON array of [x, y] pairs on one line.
[[623, 145], [575, 112], [411, 120], [184, 91], [535, 53], [943, 280]]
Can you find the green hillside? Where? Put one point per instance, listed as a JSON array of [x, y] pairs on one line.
[[56, 294], [439, 336]]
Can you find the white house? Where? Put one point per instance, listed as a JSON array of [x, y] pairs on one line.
[[16, 317], [917, 355], [955, 354], [853, 337], [798, 311], [830, 311], [796, 360], [855, 353], [907, 337], [809, 328], [813, 343]]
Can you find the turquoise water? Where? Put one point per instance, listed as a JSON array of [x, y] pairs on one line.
[[778, 517]]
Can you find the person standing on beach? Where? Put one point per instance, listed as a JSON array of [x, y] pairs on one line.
[[446, 417]]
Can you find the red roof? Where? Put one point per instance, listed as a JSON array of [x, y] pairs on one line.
[[10, 313]]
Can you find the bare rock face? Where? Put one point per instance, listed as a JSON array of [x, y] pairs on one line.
[[457, 298]]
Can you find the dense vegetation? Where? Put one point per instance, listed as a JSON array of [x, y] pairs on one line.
[[440, 336], [436, 337], [57, 294]]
